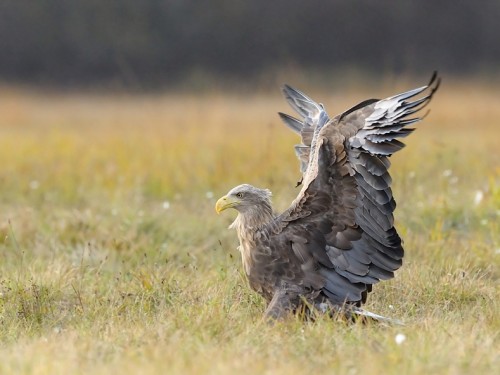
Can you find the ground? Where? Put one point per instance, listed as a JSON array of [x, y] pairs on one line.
[[112, 258]]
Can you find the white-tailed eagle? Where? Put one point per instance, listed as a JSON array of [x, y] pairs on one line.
[[337, 238]]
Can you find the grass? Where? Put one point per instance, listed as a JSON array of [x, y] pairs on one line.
[[113, 260]]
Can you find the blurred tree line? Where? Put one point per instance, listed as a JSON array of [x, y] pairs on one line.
[[159, 42]]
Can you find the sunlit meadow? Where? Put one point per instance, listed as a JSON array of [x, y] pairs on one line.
[[112, 258]]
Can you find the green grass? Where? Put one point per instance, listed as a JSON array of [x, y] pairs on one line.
[[112, 258]]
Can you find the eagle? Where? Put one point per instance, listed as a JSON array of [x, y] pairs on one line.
[[337, 238]]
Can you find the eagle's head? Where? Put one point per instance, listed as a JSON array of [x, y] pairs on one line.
[[245, 198]]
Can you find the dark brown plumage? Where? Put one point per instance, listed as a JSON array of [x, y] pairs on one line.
[[337, 238]]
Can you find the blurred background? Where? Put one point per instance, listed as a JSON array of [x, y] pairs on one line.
[[151, 44]]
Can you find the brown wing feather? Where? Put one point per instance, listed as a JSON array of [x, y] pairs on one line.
[[313, 116], [341, 224]]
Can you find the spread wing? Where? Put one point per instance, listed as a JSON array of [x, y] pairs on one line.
[[341, 225]]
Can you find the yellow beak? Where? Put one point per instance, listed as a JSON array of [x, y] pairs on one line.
[[224, 203]]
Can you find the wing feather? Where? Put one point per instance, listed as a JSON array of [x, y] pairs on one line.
[[294, 124], [313, 116], [342, 218]]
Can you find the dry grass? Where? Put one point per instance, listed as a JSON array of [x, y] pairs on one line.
[[112, 258]]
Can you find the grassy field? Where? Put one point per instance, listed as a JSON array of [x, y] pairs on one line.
[[112, 258]]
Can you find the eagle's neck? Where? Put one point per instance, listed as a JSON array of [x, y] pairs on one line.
[[248, 225]]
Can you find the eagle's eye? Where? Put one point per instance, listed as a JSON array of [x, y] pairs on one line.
[[239, 195]]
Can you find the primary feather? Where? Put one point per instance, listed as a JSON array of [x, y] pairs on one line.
[[337, 238]]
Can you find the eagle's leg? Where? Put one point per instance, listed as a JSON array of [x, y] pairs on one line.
[[282, 303]]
